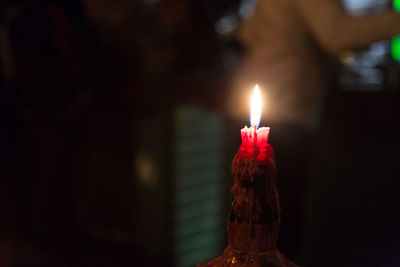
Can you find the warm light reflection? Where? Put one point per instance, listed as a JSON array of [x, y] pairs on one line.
[[255, 107]]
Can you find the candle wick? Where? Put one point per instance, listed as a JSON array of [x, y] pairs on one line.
[[255, 142]]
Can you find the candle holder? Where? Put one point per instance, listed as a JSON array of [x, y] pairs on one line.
[[253, 222]]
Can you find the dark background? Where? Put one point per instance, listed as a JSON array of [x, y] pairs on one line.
[[100, 101]]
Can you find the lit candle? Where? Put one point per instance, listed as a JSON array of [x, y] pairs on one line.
[[253, 221], [254, 139]]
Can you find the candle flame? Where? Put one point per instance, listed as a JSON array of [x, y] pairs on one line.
[[255, 107]]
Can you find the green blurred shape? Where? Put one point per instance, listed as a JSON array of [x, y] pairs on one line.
[[396, 5], [396, 40], [396, 48]]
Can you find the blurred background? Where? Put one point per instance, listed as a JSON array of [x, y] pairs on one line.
[[116, 138]]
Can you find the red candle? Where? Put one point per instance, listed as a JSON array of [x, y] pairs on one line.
[[253, 221], [254, 139]]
